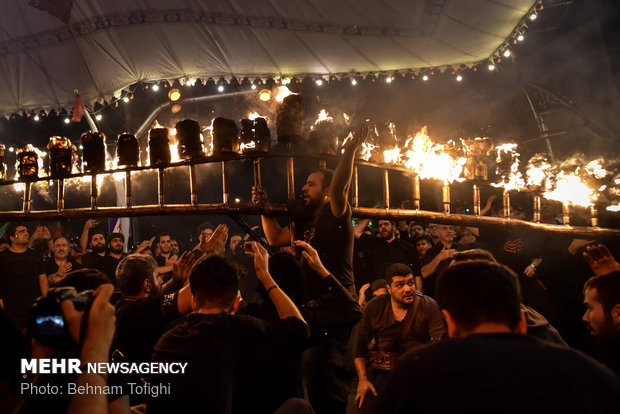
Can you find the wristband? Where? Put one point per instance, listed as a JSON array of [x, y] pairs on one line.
[[271, 288], [533, 267]]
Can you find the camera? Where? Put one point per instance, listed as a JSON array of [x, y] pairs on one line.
[[46, 322]]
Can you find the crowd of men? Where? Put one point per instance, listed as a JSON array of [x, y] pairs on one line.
[[323, 316]]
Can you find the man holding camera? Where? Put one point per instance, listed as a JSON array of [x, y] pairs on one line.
[[403, 320], [23, 276]]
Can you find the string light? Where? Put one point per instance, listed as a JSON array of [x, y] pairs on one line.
[[125, 99], [319, 82], [67, 120], [507, 53], [11, 149], [425, 78], [388, 79], [491, 66], [533, 16], [36, 117], [98, 117], [220, 88], [353, 82], [253, 86], [155, 88], [520, 38], [459, 78]]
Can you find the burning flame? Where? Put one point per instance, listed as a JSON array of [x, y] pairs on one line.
[[538, 173], [570, 188], [323, 116], [253, 115], [157, 125], [347, 118], [392, 156], [283, 92], [249, 145], [366, 149], [595, 169], [511, 176]]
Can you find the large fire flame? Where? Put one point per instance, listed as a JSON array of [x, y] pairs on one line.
[[569, 187]]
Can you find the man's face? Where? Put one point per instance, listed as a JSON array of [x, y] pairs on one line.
[[97, 243], [61, 248], [386, 230], [116, 245], [205, 235], [431, 230], [234, 241], [415, 230], [422, 246], [165, 244], [313, 191], [446, 233], [402, 289], [599, 323], [21, 236], [174, 247]]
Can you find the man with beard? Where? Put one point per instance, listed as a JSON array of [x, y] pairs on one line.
[[439, 257], [96, 258], [61, 262], [327, 227], [23, 277], [385, 249], [602, 298], [165, 259], [326, 222], [116, 243], [398, 322]]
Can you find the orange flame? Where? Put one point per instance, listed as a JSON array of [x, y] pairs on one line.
[[283, 92]]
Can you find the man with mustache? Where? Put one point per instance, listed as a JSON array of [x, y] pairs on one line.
[[398, 322], [61, 262]]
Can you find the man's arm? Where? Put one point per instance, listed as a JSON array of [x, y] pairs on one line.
[[363, 385], [429, 268], [84, 237], [283, 304], [436, 325], [43, 284], [339, 188], [276, 235], [359, 229]]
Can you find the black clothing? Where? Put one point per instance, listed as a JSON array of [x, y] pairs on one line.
[[19, 283], [326, 316], [378, 323], [51, 267], [428, 284], [505, 372], [211, 344], [332, 237], [383, 254], [140, 323], [106, 264]]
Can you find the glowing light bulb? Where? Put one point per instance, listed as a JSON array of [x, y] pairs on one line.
[[533, 16], [81, 147], [353, 82], [388, 79], [99, 117], [155, 88], [425, 77], [459, 78], [237, 200], [491, 66], [36, 117], [11, 149], [319, 82], [253, 86], [507, 53], [67, 120], [220, 88], [125, 99], [520, 38], [264, 95], [174, 94]]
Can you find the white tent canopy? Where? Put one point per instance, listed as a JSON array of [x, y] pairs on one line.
[[49, 48]]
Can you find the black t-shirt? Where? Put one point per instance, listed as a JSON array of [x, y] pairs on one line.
[[428, 284], [211, 344], [106, 264], [19, 282], [332, 237], [51, 266], [140, 323], [383, 254], [504, 372]]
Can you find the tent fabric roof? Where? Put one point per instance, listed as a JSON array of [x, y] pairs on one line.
[[49, 48]]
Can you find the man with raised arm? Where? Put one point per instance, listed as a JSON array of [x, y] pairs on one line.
[[327, 226]]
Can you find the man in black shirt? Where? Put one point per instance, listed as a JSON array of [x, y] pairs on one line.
[[165, 259], [95, 259], [489, 364], [23, 276], [385, 249], [396, 324], [61, 262], [439, 257], [212, 338]]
